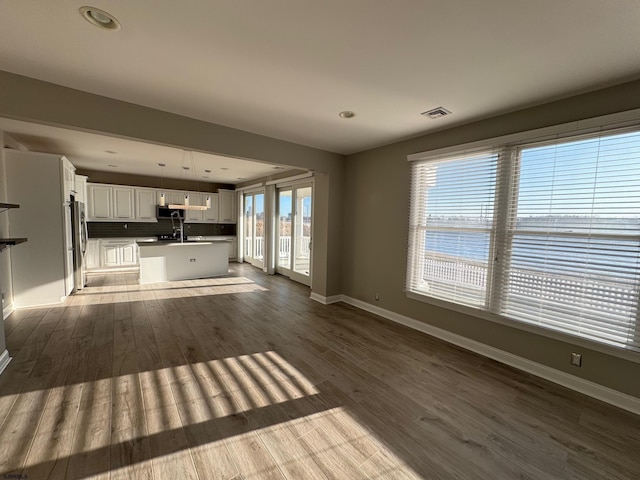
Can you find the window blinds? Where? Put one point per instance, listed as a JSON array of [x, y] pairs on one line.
[[574, 241], [451, 224], [542, 233]]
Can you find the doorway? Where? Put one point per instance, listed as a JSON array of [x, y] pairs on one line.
[[254, 229], [294, 243]]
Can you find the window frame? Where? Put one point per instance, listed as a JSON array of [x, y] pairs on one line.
[[504, 217]]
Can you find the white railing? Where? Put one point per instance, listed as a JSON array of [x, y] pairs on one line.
[[302, 246], [284, 247], [258, 247], [456, 271], [595, 293]]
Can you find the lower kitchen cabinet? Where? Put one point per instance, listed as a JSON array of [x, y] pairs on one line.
[[111, 253], [92, 255], [233, 249], [116, 253]]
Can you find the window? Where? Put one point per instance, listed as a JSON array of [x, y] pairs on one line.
[[542, 233]]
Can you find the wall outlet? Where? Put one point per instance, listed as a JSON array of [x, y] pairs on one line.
[[377, 297], [576, 359]]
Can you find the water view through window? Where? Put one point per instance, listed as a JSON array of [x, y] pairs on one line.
[[553, 240]]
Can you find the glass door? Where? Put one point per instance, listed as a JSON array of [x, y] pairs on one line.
[[254, 229], [294, 232]]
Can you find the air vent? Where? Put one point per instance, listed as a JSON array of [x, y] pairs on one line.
[[436, 113]]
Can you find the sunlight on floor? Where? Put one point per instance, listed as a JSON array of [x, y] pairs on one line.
[[204, 287], [197, 415]]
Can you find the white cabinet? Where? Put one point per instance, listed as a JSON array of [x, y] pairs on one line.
[[123, 203], [81, 188], [227, 206], [118, 253], [194, 216], [110, 254], [68, 178], [99, 202], [171, 197], [92, 255], [118, 203], [211, 214], [146, 205], [113, 203], [233, 249], [129, 255]]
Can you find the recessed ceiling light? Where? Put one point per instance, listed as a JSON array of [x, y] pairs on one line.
[[162, 164], [99, 18], [113, 166], [347, 114], [185, 168], [278, 168], [224, 168], [207, 171], [111, 152]]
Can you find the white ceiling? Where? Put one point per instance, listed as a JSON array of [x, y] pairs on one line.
[[286, 68], [100, 152]]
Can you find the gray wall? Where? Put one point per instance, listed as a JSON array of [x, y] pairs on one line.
[[376, 204], [31, 100]]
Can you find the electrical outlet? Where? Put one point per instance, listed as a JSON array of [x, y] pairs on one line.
[[377, 297], [576, 359]]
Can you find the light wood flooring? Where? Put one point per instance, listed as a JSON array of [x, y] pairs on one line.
[[244, 377]]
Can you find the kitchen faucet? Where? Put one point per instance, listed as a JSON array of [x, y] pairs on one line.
[[177, 214]]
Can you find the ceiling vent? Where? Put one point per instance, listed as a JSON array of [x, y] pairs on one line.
[[436, 113]]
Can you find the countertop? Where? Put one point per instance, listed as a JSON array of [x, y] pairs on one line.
[[164, 243]]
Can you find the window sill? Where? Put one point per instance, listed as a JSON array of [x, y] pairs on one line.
[[618, 352]]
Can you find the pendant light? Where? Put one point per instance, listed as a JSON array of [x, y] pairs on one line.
[[186, 205], [162, 201]]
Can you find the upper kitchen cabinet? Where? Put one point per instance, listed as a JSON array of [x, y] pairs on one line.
[[146, 205], [69, 178], [81, 188], [194, 216], [123, 203], [110, 203], [227, 206], [99, 202], [210, 215]]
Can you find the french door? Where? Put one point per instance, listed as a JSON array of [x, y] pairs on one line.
[[293, 255], [254, 229]]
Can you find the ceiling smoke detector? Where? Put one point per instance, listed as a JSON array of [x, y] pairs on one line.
[[436, 113]]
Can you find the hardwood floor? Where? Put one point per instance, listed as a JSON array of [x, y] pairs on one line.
[[244, 377]]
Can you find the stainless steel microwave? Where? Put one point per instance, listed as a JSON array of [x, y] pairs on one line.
[[165, 212]]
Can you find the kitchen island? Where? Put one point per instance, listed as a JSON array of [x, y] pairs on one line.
[[173, 260]]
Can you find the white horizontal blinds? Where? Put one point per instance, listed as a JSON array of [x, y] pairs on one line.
[[575, 238], [452, 210]]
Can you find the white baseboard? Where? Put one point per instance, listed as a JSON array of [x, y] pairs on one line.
[[325, 300], [8, 310], [605, 394], [4, 360]]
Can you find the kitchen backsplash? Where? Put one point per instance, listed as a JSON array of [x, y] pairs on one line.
[[163, 227]]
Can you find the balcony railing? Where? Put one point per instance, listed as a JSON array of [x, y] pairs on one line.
[[560, 293], [284, 247]]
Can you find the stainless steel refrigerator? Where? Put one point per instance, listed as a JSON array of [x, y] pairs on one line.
[[79, 244]]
